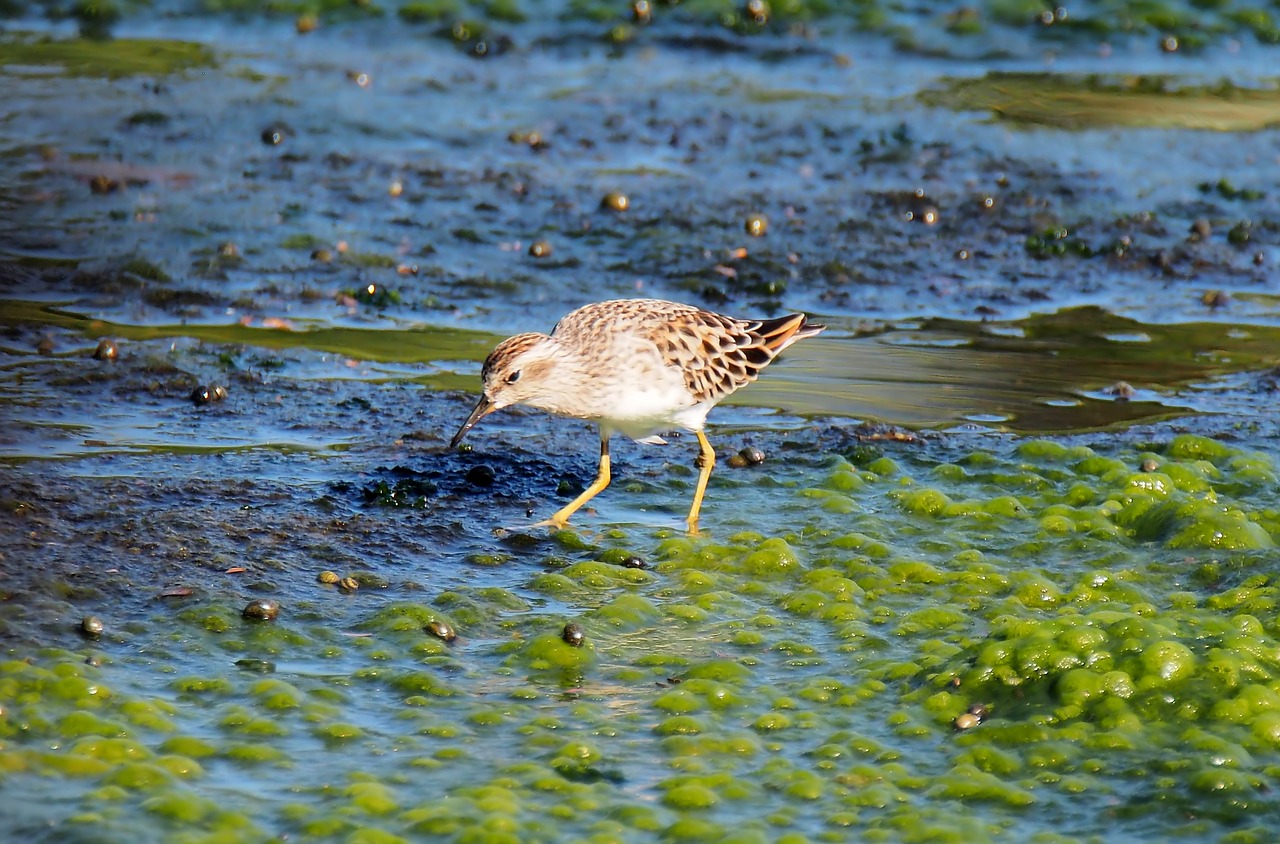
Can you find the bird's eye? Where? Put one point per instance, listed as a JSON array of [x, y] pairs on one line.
[[513, 377]]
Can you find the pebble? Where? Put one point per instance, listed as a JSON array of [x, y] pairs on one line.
[[573, 634], [481, 475], [106, 349], [615, 201], [441, 630], [262, 609], [91, 626]]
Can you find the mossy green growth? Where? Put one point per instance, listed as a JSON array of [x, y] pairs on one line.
[[212, 686], [189, 746], [1122, 671], [339, 731], [1158, 512], [429, 11], [109, 59], [149, 715], [1228, 530], [627, 612], [372, 798], [772, 559], [114, 751], [139, 776], [679, 701], [241, 721], [551, 652], [721, 670], [81, 723], [1077, 102], [1194, 447], [405, 618], [276, 694], [688, 794], [425, 683], [583, 761], [801, 677], [596, 574], [180, 807]]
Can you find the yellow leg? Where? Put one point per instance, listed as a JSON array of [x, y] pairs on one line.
[[561, 516], [708, 455]]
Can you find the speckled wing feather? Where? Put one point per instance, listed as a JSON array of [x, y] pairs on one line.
[[720, 354], [716, 354]]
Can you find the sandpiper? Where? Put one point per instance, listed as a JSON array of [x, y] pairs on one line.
[[635, 367]]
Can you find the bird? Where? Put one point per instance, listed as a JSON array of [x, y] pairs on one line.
[[635, 367]]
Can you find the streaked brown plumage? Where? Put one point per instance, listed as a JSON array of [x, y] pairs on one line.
[[635, 366]]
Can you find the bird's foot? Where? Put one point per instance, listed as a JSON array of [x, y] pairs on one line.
[[553, 523]]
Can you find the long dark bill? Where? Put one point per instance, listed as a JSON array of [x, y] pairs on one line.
[[483, 408]]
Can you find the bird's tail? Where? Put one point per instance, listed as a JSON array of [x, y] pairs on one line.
[[777, 334]]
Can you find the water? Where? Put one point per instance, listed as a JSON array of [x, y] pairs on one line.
[[1023, 520]]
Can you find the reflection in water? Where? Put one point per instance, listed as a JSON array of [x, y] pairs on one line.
[[921, 386], [1053, 373], [1043, 374]]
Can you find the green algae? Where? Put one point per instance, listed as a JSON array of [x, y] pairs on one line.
[[627, 612], [1086, 102], [550, 652], [188, 746], [366, 344], [109, 59], [409, 618], [798, 683]]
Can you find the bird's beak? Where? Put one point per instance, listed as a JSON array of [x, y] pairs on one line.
[[483, 408]]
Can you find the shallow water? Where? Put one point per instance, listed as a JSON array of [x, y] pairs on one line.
[[1062, 505]]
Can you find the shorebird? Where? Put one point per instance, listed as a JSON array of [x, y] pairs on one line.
[[635, 367]]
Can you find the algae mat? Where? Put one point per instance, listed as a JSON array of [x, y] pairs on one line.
[[1108, 610]]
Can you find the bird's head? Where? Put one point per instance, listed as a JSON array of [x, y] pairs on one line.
[[518, 371]]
